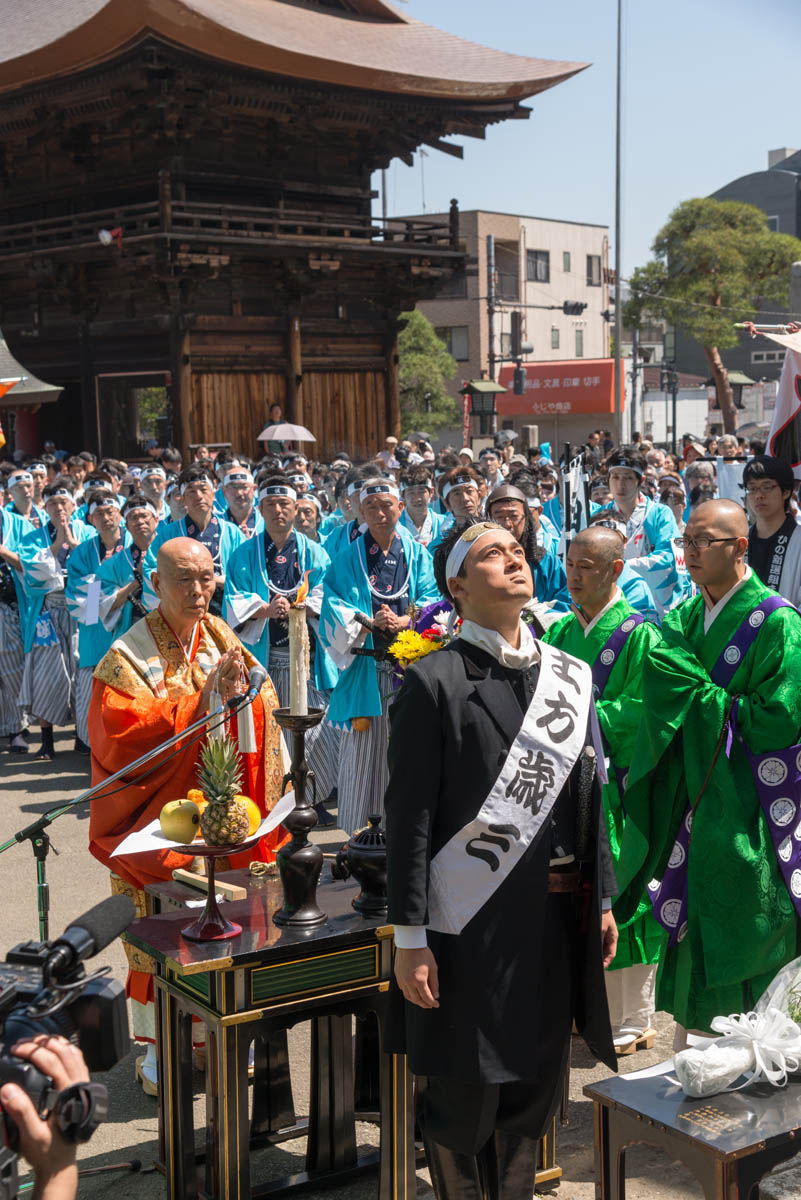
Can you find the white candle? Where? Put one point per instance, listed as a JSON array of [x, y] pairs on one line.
[[298, 661]]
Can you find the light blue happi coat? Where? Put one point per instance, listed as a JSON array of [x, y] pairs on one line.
[[114, 573], [347, 592], [649, 551], [83, 568], [42, 574], [439, 523], [247, 587]]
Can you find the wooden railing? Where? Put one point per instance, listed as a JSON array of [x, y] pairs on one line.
[[228, 223]]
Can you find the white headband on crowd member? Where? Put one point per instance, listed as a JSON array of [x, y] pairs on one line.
[[37, 466], [299, 478], [356, 486], [311, 499], [201, 479], [148, 471], [533, 502], [461, 549], [60, 492], [277, 489], [237, 477], [378, 489], [19, 477], [138, 502], [103, 502], [459, 481]]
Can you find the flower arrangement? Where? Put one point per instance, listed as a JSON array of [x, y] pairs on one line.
[[409, 646], [428, 632]]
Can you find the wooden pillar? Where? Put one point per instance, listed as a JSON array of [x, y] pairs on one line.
[[183, 424], [91, 431], [165, 201], [393, 391], [294, 373]]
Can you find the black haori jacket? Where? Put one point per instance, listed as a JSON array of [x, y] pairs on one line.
[[452, 725]]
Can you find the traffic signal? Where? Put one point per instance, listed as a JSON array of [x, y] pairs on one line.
[[517, 334], [573, 308], [519, 387]]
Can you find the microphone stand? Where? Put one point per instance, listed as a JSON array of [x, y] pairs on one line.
[[40, 840]]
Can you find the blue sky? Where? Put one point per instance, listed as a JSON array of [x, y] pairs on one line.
[[709, 88]]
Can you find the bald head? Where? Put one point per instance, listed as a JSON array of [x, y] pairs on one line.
[[184, 582], [180, 553], [599, 542], [719, 518]]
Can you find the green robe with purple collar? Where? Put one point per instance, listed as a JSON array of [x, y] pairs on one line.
[[619, 710], [742, 927]]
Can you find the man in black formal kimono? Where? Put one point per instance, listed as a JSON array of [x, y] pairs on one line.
[[499, 876]]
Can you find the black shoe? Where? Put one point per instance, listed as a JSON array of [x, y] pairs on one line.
[[323, 815], [80, 747], [17, 743]]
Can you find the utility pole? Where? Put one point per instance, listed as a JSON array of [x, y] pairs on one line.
[[384, 198], [618, 235], [491, 304], [635, 366]]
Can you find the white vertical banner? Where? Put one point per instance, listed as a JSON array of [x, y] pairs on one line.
[[784, 439]]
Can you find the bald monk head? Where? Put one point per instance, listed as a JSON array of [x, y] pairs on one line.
[[594, 562], [184, 582], [716, 539]]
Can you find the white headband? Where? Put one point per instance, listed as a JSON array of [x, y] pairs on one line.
[[354, 487], [460, 481], [277, 489], [136, 503], [202, 479], [106, 502], [379, 489], [296, 478], [147, 472], [19, 477], [533, 502], [60, 492], [238, 477], [461, 549]]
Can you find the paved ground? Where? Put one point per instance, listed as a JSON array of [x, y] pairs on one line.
[[29, 788]]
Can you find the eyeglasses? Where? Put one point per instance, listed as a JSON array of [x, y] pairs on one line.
[[761, 491], [699, 543]]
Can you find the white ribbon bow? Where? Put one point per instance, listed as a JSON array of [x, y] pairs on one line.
[[761, 1047]]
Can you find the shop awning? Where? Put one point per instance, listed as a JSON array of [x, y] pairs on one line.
[[555, 389]]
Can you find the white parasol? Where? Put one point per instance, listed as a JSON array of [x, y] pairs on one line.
[[284, 432]]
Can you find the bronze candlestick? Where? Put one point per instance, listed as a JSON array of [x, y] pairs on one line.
[[299, 861]]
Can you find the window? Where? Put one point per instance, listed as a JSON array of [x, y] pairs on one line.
[[457, 341], [579, 343], [773, 224], [593, 270], [554, 338], [566, 261], [456, 287], [539, 266], [767, 356]]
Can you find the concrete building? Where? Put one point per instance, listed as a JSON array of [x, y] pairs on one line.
[[540, 264]]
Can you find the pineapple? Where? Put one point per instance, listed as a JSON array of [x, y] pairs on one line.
[[224, 821]]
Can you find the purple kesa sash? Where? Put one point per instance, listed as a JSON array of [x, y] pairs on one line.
[[602, 667], [780, 770]]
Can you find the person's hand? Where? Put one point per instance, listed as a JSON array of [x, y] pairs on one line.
[[381, 618], [277, 609], [41, 1143], [608, 937], [390, 621], [230, 674], [417, 976]]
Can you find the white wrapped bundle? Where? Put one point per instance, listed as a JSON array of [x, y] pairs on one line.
[[765, 1047]]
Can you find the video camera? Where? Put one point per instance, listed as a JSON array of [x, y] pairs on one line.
[[45, 989]]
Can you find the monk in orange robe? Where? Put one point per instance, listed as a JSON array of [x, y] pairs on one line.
[[158, 678]]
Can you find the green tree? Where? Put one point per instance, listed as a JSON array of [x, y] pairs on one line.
[[715, 262], [423, 366]]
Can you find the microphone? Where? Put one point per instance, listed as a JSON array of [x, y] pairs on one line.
[[88, 935], [256, 679]]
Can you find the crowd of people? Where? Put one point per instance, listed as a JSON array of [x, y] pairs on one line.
[[671, 613]]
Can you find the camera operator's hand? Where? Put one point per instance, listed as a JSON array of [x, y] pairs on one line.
[[40, 1142]]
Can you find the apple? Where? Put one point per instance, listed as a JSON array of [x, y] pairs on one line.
[[179, 820]]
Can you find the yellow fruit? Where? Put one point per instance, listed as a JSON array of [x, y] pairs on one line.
[[180, 821], [197, 797], [254, 816]]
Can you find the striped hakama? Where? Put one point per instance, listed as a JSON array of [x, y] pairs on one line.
[[12, 662], [363, 769], [323, 741], [82, 697], [49, 672]]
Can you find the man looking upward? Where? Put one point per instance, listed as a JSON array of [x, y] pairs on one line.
[[605, 632], [376, 578], [774, 542], [486, 836], [711, 819]]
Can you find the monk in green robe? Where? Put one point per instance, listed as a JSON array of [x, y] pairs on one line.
[[608, 634], [693, 809]]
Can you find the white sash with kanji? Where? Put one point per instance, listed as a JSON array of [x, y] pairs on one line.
[[467, 870]]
